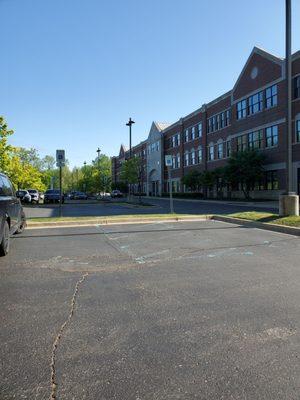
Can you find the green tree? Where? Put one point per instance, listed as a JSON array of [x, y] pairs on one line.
[[5, 148], [192, 180], [130, 171], [245, 168], [207, 180]]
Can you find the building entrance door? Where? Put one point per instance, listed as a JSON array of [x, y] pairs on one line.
[[154, 188]]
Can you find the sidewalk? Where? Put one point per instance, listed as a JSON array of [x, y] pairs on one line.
[[259, 204]]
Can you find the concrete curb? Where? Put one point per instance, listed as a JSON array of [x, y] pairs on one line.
[[116, 221], [290, 230], [126, 221]]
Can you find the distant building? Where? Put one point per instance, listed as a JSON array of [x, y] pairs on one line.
[[251, 115]]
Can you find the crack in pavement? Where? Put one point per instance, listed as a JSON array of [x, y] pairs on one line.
[[59, 335]]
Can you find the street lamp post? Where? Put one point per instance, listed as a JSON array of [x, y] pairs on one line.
[[130, 123], [84, 174], [98, 159], [288, 202]]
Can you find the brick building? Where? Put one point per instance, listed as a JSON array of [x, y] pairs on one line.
[[251, 115]]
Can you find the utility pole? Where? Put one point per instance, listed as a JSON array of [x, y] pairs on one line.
[[98, 159], [288, 71], [130, 123], [288, 202]]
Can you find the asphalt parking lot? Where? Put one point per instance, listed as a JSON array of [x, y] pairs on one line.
[[161, 206], [197, 310]]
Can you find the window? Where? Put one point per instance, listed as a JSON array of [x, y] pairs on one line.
[[272, 136], [227, 118], [298, 131], [200, 129], [218, 122], [209, 125], [186, 135], [193, 133], [213, 124], [5, 187], [255, 140], [241, 109], [199, 154], [211, 153], [255, 103], [228, 148], [178, 160], [157, 146], [173, 141], [220, 150], [222, 122], [178, 139], [242, 143], [296, 87], [173, 162], [186, 158], [272, 180], [193, 157], [271, 96]]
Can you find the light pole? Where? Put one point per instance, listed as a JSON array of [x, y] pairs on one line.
[[130, 123], [84, 174], [98, 159], [288, 202]]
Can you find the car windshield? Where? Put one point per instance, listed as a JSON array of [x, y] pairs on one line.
[[21, 192], [32, 191], [52, 191]]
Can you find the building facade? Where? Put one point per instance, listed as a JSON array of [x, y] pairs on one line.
[[251, 115]]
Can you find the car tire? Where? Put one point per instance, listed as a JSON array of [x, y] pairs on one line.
[[22, 225], [4, 245]]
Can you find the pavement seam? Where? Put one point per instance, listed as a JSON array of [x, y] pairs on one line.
[[59, 336]]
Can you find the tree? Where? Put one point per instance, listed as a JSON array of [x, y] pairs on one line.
[[48, 162], [207, 180], [245, 168], [192, 180], [130, 171], [5, 148]]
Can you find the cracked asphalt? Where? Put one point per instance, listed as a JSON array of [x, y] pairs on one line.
[[189, 310]]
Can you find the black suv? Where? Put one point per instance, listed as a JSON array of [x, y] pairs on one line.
[[53, 196], [12, 216]]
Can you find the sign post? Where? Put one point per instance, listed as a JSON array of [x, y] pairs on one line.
[[60, 162], [168, 164]]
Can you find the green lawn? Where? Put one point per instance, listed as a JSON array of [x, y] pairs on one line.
[[268, 217]]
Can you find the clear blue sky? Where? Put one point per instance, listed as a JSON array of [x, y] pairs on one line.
[[73, 71]]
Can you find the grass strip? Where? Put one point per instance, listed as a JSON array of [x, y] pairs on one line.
[[34, 220], [268, 218]]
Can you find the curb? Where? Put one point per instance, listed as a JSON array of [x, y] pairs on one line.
[[119, 221], [290, 230]]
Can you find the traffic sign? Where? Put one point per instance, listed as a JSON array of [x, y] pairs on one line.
[[60, 158]]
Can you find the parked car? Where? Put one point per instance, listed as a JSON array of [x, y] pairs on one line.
[[24, 196], [116, 193], [42, 196], [71, 195], [12, 216], [35, 196], [53, 196], [80, 196]]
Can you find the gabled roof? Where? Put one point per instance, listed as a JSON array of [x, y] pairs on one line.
[[161, 125], [263, 53], [122, 150]]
